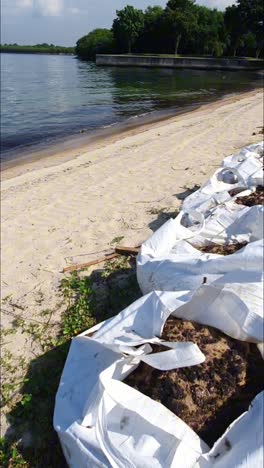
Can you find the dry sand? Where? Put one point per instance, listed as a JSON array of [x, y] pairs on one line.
[[69, 212]]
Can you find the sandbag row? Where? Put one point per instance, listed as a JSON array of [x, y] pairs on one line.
[[225, 291], [103, 422]]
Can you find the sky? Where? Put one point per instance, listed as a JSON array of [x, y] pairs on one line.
[[63, 22]]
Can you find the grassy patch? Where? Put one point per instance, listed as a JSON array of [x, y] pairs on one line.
[[29, 400], [116, 240], [9, 455], [79, 296]]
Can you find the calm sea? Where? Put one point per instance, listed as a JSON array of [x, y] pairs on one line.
[[45, 99]]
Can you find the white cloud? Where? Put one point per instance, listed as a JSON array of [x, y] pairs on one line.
[[35, 7], [25, 3], [48, 7], [218, 4]]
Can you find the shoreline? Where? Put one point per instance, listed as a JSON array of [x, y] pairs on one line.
[[60, 152]]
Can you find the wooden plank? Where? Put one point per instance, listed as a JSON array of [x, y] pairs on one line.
[[80, 266], [127, 250], [120, 250]]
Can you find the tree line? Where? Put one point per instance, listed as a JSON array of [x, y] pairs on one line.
[[36, 49], [182, 27]]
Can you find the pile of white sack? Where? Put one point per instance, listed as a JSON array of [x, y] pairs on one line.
[[102, 422]]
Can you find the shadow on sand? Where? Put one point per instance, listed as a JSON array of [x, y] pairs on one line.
[[31, 421]]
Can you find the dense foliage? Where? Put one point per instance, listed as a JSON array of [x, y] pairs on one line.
[[96, 42], [127, 27], [182, 27], [244, 23], [36, 49], [181, 19]]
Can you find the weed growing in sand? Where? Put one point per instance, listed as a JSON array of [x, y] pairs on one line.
[[29, 398], [36, 331], [10, 456], [156, 211], [112, 266], [11, 380], [79, 297], [116, 240]]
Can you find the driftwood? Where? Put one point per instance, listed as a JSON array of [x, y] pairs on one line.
[[118, 251], [80, 266], [127, 250]]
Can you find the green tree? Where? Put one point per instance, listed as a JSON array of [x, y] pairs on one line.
[[210, 33], [128, 25], [181, 19], [244, 23], [99, 41], [252, 17], [235, 28], [151, 37]]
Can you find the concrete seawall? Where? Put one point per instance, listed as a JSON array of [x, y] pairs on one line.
[[178, 62]]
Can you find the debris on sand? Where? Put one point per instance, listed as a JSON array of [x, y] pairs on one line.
[[255, 198]]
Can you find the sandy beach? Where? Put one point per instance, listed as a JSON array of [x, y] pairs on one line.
[[68, 209]]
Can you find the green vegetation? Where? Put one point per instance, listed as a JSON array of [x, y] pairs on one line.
[[181, 19], [10, 456], [244, 24], [96, 42], [127, 26], [183, 27], [29, 388], [116, 240], [36, 49]]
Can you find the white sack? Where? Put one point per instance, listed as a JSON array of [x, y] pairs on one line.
[[242, 445], [256, 150], [226, 223], [240, 171], [168, 260], [102, 421], [225, 292], [231, 223]]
